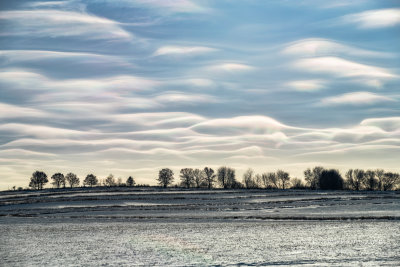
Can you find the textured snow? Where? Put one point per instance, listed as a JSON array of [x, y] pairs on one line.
[[200, 228]]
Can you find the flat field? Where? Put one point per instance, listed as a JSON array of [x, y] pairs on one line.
[[156, 227]]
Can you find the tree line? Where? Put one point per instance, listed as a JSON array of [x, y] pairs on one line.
[[317, 178], [39, 179]]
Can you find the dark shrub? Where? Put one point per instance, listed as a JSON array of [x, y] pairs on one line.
[[330, 180]]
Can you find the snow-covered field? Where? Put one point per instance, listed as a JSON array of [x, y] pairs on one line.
[[176, 227]]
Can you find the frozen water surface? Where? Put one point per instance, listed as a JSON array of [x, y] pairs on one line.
[[200, 228]]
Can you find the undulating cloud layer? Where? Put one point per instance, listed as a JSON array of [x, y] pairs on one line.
[[129, 87]]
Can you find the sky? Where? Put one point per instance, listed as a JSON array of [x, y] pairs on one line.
[[132, 86]]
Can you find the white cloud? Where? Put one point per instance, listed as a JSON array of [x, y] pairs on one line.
[[157, 119], [41, 131], [13, 111], [342, 68], [197, 82], [49, 4], [177, 139], [390, 124], [340, 3], [241, 124], [173, 6], [18, 153], [373, 19], [374, 83], [183, 50], [329, 4], [326, 47], [18, 56], [230, 67], [87, 144], [307, 85], [356, 98], [34, 81], [56, 23], [185, 98]]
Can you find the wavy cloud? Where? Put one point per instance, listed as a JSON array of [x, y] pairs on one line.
[[230, 67], [130, 86], [342, 68], [374, 19], [356, 98], [183, 50], [57, 23], [176, 6], [325, 47], [201, 140], [307, 85]]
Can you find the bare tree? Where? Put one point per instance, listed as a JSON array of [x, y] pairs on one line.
[[283, 179], [231, 179], [370, 182], [130, 181], [312, 177], [90, 180], [380, 175], [258, 180], [297, 183], [187, 177], [308, 176], [272, 180], [264, 181], [210, 177], [222, 176], [110, 181], [355, 179], [199, 177], [38, 180], [58, 180], [72, 179], [390, 179], [268, 180], [227, 178], [165, 177], [249, 179]]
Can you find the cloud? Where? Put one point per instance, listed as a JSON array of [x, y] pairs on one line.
[[116, 92], [374, 19], [183, 50], [342, 68], [22, 79], [241, 124], [56, 23], [193, 82], [159, 119], [14, 155], [307, 85], [13, 111], [178, 139], [87, 145], [340, 3], [230, 67], [329, 4], [356, 98], [23, 56], [185, 98], [171, 6], [42, 4], [389, 124], [41, 131], [326, 47]]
